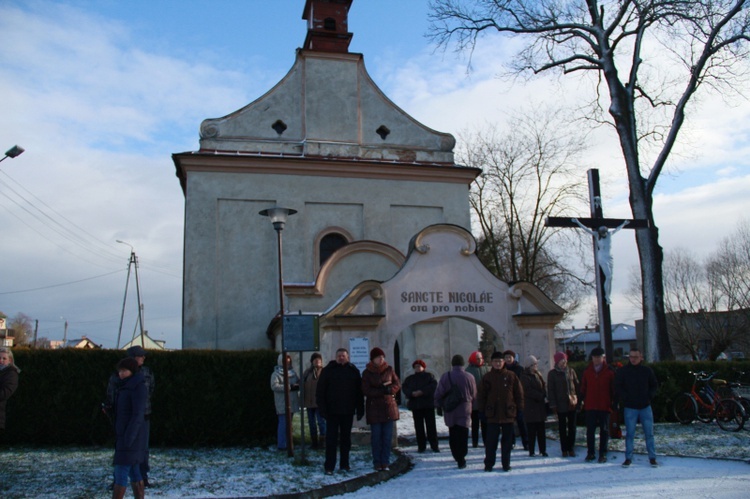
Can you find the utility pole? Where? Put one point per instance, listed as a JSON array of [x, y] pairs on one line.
[[132, 263]]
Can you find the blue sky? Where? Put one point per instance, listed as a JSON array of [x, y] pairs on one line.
[[101, 93]]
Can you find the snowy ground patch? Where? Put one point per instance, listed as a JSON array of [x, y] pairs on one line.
[[243, 472]]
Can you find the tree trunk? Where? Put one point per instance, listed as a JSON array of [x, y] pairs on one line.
[[650, 254]]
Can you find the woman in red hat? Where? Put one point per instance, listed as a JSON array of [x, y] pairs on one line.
[[420, 389]]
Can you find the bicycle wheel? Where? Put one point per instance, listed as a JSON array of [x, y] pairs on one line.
[[705, 412], [730, 416], [685, 408], [745, 403]]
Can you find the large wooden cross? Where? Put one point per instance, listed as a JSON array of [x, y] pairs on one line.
[[599, 226]]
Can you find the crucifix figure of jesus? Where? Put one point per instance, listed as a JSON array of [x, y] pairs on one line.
[[603, 238], [601, 229]]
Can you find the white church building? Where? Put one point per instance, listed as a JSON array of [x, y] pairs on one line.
[[380, 248]]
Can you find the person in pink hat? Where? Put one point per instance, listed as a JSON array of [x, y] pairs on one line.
[[562, 393]]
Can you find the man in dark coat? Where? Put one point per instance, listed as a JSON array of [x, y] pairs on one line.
[[635, 388], [339, 398], [597, 393], [500, 398], [420, 389]]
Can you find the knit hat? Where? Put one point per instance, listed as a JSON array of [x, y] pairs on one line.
[[314, 356], [375, 353], [419, 362], [531, 360], [136, 351], [128, 363], [560, 356], [474, 358], [597, 352], [497, 355]]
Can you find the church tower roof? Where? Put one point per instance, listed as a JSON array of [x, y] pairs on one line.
[[327, 107]]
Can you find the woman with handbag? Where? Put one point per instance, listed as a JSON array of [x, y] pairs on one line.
[[562, 392], [457, 420]]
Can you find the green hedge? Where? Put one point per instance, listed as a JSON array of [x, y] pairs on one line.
[[201, 398], [674, 378]]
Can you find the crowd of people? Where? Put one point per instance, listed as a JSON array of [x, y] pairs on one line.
[[489, 403], [495, 404]]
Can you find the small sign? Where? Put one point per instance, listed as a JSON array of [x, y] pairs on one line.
[[301, 333], [359, 352]]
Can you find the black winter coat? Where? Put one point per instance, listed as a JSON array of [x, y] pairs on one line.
[[131, 398], [635, 386], [424, 382], [339, 390], [8, 385]]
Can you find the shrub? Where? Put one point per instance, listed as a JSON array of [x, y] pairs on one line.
[[202, 397]]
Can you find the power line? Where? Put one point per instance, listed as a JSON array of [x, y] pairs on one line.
[[59, 285]]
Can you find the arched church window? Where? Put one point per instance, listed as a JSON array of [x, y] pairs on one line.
[[330, 243]]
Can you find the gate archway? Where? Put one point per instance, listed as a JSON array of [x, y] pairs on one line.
[[441, 287]]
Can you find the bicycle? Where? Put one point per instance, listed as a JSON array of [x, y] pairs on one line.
[[740, 392], [707, 404]]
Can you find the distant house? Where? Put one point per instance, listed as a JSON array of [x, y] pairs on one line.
[[81, 342], [146, 342], [707, 335], [582, 341], [6, 335]]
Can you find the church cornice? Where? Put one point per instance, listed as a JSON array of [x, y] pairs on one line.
[[225, 162]]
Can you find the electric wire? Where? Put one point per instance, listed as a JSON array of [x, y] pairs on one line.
[[87, 243], [91, 238], [60, 284]]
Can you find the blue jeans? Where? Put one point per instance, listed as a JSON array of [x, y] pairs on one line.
[[646, 416], [316, 422], [381, 434], [281, 432], [125, 471]]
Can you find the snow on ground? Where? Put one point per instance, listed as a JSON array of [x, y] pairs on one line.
[[240, 472]]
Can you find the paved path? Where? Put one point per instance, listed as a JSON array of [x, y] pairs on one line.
[[436, 476]]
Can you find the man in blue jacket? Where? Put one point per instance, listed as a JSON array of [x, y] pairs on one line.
[[635, 388]]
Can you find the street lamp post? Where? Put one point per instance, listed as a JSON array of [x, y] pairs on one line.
[[278, 218]]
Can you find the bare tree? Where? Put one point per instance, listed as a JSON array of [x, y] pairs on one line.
[[648, 57], [706, 301], [23, 331], [729, 268], [527, 175]]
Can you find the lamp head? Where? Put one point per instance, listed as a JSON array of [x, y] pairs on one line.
[[14, 151], [278, 215]]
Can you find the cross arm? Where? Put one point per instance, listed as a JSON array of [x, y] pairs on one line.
[[595, 223]]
